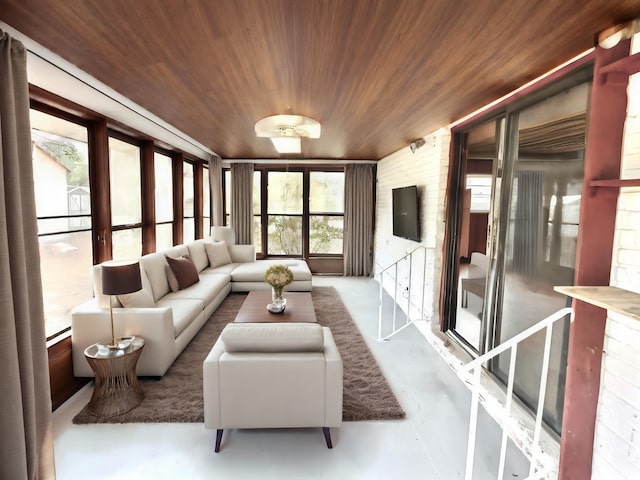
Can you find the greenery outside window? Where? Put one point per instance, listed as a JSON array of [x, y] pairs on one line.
[[326, 212], [284, 213]]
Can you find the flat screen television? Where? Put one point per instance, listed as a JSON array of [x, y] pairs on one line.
[[406, 216]]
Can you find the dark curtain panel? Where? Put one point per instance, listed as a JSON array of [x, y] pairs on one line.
[[359, 214], [242, 202], [26, 450]]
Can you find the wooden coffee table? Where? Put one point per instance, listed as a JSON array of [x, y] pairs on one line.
[[254, 309]]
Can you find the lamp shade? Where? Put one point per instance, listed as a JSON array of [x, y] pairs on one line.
[[120, 277]]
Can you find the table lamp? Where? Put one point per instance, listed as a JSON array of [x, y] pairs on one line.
[[119, 278]]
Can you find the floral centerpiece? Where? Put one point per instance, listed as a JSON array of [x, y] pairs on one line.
[[278, 276]]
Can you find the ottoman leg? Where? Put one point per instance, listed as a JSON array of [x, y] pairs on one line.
[[218, 439], [327, 436]]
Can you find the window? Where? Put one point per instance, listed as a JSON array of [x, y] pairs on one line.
[[189, 224], [300, 221], [480, 186], [63, 207], [326, 212], [126, 201], [70, 228], [163, 168], [284, 213]]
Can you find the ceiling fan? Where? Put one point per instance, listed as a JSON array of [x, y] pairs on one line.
[[285, 131]]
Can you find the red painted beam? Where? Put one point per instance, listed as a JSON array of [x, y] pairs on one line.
[[593, 263]]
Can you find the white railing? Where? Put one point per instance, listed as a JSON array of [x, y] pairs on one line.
[[471, 374], [392, 270]]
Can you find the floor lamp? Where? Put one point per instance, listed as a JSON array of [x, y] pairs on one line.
[[119, 278]]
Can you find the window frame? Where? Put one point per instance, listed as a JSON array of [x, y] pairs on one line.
[[264, 170], [135, 225]]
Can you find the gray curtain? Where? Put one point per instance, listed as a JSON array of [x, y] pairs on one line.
[[529, 222], [359, 214], [215, 187], [26, 450], [242, 202]]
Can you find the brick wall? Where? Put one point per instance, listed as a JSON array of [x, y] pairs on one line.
[[427, 169], [617, 436]]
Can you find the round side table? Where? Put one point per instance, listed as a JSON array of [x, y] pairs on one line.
[[117, 389]]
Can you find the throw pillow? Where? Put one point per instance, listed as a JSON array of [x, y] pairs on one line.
[[173, 281], [140, 299], [217, 253], [184, 269]]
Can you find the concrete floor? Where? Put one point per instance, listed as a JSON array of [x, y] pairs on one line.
[[430, 443]]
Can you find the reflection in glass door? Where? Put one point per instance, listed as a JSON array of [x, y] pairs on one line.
[[479, 163], [540, 213]]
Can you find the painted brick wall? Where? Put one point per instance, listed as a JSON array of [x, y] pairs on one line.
[[427, 169], [617, 437]]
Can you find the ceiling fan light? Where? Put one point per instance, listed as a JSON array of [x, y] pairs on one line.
[[287, 144], [288, 125]]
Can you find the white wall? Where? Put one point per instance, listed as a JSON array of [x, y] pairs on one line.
[[617, 436], [427, 169]]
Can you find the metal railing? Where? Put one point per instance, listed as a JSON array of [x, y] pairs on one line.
[[387, 271], [470, 374]]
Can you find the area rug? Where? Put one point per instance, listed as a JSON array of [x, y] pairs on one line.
[[177, 396]]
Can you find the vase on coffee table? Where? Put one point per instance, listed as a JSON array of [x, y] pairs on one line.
[[277, 298]]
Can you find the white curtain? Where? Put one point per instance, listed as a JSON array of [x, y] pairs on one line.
[[26, 450], [215, 187], [359, 215], [242, 202]]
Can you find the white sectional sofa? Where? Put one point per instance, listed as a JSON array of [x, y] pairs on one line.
[[168, 319]]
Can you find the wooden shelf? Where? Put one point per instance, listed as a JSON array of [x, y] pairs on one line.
[[616, 183], [611, 298]]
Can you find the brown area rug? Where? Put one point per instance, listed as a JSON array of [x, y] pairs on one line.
[[177, 396]]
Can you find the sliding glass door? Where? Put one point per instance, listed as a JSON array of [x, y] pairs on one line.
[[541, 220], [536, 154]]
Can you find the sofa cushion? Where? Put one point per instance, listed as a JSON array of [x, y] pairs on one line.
[[222, 269], [205, 290], [217, 253], [140, 299], [223, 234], [184, 269], [143, 298], [254, 271], [155, 266], [273, 337], [198, 254], [242, 253], [184, 312], [171, 278]]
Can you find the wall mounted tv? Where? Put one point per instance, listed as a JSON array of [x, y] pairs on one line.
[[406, 215]]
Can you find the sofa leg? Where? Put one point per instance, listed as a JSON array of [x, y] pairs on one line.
[[327, 436], [218, 439]]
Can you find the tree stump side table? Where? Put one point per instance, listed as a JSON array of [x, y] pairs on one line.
[[117, 389]]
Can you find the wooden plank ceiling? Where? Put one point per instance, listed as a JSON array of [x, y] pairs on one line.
[[377, 74]]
